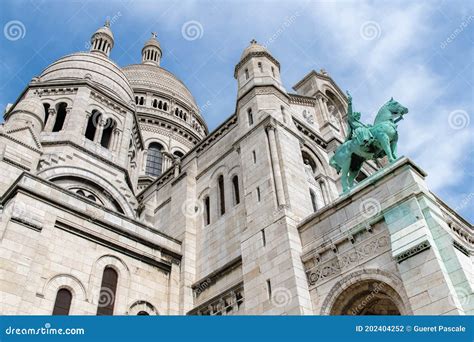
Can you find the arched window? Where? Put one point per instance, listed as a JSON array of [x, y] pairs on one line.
[[81, 193], [207, 210], [250, 116], [60, 117], [154, 160], [136, 99], [235, 188], [160, 105], [260, 67], [143, 313], [220, 185], [92, 123], [246, 74], [62, 304], [107, 133], [46, 112], [108, 290], [155, 103], [142, 101], [176, 111], [313, 200], [165, 106]]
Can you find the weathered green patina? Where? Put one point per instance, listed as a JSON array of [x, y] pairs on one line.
[[367, 142]]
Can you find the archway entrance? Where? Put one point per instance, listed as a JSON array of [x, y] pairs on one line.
[[367, 297]]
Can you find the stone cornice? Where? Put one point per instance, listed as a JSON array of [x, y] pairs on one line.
[[310, 133], [424, 245], [302, 100]]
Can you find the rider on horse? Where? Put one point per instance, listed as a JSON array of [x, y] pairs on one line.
[[356, 129]]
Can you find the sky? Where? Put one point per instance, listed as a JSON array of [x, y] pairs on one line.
[[419, 52]]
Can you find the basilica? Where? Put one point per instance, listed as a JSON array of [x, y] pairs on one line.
[[115, 199]]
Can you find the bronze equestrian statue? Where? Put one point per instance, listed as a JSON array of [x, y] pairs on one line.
[[367, 142]]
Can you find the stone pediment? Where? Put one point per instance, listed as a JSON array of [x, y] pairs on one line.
[[24, 136]]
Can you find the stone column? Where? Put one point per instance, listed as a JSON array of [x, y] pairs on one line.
[[67, 118], [115, 139], [271, 130], [323, 107], [84, 126], [100, 130], [51, 120]]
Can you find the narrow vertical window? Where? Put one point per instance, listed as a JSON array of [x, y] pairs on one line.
[[62, 305], [220, 185], [92, 123], [207, 210], [108, 290], [313, 200], [264, 239], [246, 74], [46, 112], [260, 66], [273, 71], [250, 116], [258, 194], [107, 133], [60, 117], [154, 160], [283, 114], [254, 155], [269, 289], [235, 185]]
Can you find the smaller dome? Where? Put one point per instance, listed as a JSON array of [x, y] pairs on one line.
[[253, 47], [152, 41], [105, 30], [31, 105]]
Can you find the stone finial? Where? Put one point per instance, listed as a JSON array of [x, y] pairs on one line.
[[253, 41], [154, 35], [107, 23]]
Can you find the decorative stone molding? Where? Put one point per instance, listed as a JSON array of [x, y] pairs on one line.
[[311, 134], [344, 261], [302, 100], [41, 92], [413, 251], [227, 302], [203, 284]]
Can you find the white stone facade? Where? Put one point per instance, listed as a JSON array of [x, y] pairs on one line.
[[113, 168]]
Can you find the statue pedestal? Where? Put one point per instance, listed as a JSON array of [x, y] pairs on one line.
[[391, 230]]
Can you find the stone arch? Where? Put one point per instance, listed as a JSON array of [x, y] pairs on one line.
[[123, 284], [367, 284], [69, 282], [64, 99], [142, 306], [69, 171], [322, 163]]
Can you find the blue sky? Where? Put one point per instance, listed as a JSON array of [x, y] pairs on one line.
[[421, 53]]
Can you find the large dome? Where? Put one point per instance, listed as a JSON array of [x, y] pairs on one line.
[[155, 78], [96, 67]]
